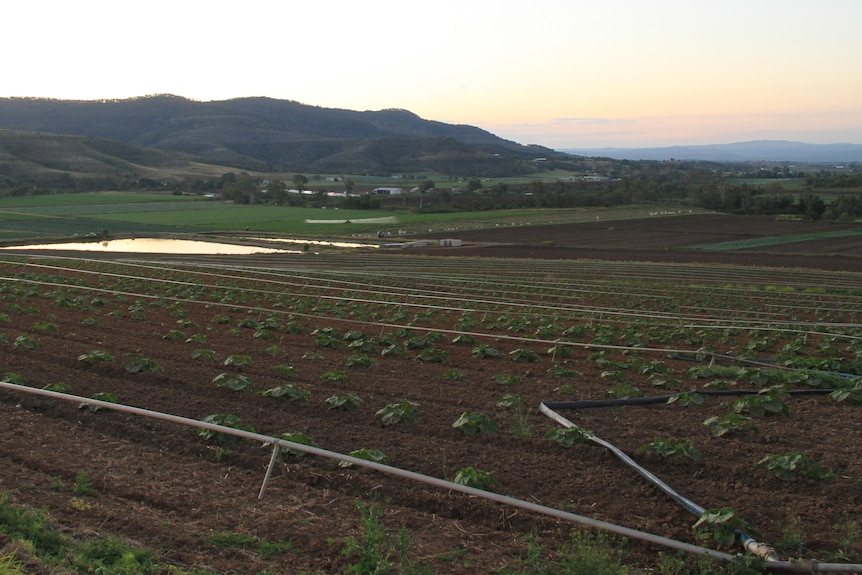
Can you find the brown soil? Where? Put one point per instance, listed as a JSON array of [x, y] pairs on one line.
[[160, 486]]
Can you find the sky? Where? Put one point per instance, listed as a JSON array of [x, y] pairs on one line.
[[558, 73]]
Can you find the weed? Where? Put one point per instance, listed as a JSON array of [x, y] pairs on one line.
[[83, 484]]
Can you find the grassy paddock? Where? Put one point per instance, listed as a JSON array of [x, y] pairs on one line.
[[120, 213]]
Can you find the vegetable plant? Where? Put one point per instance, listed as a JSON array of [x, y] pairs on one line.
[[484, 351], [96, 355], [343, 402], [393, 413], [290, 392], [294, 437], [472, 477], [766, 402], [672, 448], [374, 455], [728, 424], [524, 355], [720, 525], [569, 436], [142, 364], [474, 422], [231, 381], [789, 466], [225, 420]]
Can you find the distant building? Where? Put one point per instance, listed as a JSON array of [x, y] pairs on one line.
[[386, 191]]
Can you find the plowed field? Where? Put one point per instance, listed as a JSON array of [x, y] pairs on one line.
[[621, 329]]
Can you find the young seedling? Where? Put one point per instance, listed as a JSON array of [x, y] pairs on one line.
[[294, 437], [730, 423], [393, 413], [474, 422], [290, 392], [472, 477], [374, 455], [719, 524], [569, 436], [795, 464], [234, 382], [346, 402], [672, 448], [225, 420]]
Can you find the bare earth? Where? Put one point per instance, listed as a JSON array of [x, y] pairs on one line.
[[160, 486]]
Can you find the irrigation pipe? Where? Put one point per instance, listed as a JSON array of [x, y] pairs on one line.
[[751, 324], [762, 550], [395, 471], [386, 325], [278, 443], [601, 312]]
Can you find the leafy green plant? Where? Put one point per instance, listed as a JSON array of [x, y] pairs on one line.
[[96, 355], [507, 379], [569, 436], [686, 399], [343, 402], [232, 381], [174, 335], [672, 448], [374, 455], [105, 396], [204, 354], [766, 402], [143, 365], [464, 339], [559, 370], [83, 485], [359, 360], [728, 424], [719, 525], [284, 370], [225, 420], [238, 360], [624, 391], [433, 355], [393, 413], [454, 374], [243, 542], [291, 392], [294, 437], [524, 355], [474, 422], [335, 377], [789, 466], [484, 351], [24, 341], [59, 387], [477, 478]]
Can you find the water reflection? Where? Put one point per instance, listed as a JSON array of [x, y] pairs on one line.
[[157, 246]]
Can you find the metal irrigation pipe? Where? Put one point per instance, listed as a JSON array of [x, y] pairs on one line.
[[278, 443], [398, 472], [762, 550]]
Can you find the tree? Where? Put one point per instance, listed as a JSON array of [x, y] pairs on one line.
[[278, 192], [299, 181], [474, 184], [242, 190]]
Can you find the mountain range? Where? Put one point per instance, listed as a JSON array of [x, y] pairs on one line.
[[757, 150], [280, 135]]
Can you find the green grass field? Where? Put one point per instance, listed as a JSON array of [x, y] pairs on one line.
[[65, 215]]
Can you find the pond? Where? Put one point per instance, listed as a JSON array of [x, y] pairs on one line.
[[156, 246]]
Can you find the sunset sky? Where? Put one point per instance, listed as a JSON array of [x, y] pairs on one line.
[[560, 73]]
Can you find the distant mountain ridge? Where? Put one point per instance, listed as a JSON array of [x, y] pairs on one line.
[[261, 133], [752, 151]]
